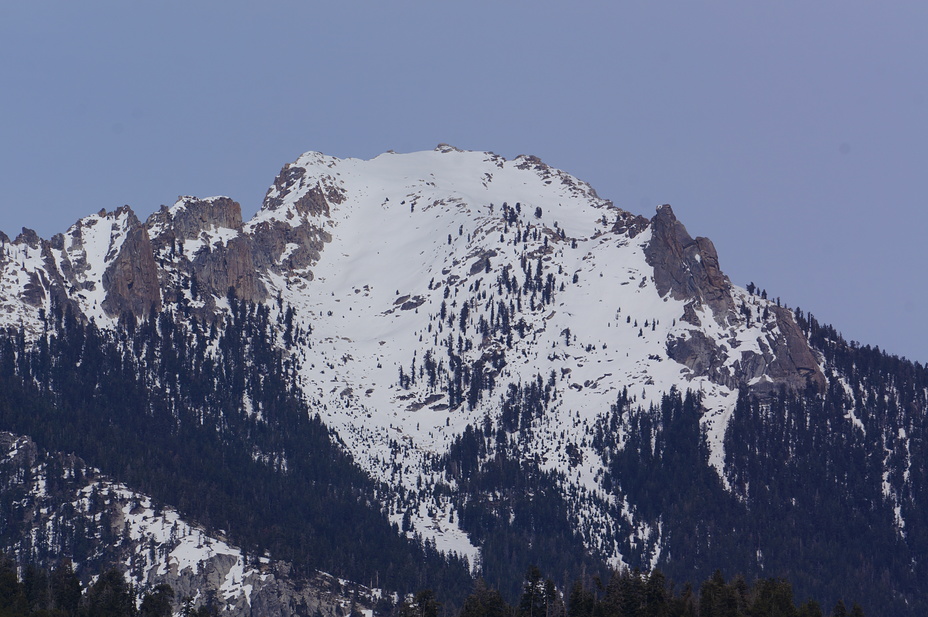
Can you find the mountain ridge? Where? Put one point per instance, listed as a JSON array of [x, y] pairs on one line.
[[297, 247], [450, 311]]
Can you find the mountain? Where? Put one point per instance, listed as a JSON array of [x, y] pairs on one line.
[[482, 365]]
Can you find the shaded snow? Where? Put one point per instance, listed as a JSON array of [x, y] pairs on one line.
[[414, 221], [413, 231]]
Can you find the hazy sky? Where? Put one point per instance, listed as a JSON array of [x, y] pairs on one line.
[[793, 134]]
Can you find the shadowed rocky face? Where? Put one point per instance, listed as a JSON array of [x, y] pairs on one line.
[[688, 269]]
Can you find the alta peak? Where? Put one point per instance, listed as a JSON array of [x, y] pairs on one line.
[[445, 313]]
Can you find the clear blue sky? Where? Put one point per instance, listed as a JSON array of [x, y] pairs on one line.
[[794, 134]]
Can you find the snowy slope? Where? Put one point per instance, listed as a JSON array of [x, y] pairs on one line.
[[77, 260], [415, 231], [433, 283]]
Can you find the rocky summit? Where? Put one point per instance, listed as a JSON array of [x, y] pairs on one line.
[[449, 315]]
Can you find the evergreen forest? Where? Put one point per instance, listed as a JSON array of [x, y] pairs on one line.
[[59, 593]]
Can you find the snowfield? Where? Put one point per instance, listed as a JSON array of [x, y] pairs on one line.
[[433, 264]]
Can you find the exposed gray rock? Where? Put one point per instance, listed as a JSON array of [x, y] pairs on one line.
[[689, 314], [230, 267], [217, 266], [315, 199], [794, 364], [271, 240], [482, 262], [700, 354], [201, 215], [287, 180], [34, 291], [131, 280], [785, 359], [28, 237], [629, 224], [685, 268], [295, 244], [688, 269]]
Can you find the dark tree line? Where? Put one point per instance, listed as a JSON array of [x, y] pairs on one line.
[[633, 594], [59, 593]]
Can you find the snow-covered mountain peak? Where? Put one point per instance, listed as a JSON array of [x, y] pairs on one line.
[[431, 228], [443, 289], [95, 238], [443, 280], [315, 184], [500, 349]]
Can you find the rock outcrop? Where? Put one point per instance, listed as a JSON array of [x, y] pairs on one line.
[[203, 239], [131, 280], [283, 248], [687, 268], [629, 224], [191, 216], [794, 363], [292, 239]]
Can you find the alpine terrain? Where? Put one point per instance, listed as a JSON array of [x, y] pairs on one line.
[[408, 372]]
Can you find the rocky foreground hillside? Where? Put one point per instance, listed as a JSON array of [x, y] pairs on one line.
[[57, 506]]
